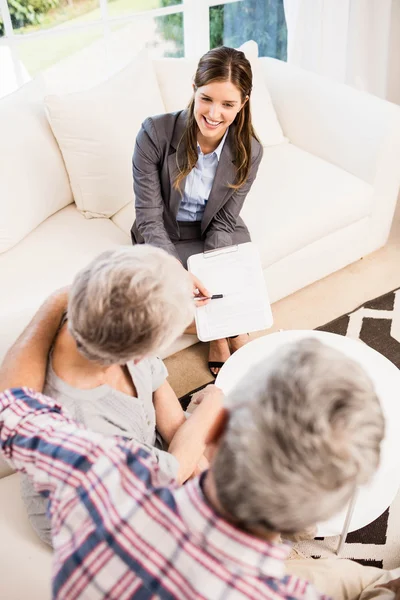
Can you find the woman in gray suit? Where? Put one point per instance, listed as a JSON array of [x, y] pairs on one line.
[[193, 169]]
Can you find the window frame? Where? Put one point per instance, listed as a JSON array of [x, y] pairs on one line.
[[196, 27]]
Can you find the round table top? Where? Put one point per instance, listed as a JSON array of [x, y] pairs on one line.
[[374, 498]]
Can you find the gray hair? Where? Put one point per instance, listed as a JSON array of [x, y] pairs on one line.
[[128, 303], [304, 429]]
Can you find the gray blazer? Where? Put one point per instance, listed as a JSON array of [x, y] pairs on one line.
[[157, 201]]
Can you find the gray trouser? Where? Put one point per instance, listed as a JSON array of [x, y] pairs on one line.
[[192, 242]]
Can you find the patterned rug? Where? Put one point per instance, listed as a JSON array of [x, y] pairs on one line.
[[376, 323]]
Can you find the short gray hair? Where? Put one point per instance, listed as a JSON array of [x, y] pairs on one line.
[[128, 303], [304, 429]]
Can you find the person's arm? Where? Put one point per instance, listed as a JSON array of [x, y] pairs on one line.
[[39, 439], [392, 586], [223, 224], [189, 443], [169, 413], [149, 203], [25, 363]]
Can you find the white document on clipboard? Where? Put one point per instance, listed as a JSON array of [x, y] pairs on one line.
[[235, 272]]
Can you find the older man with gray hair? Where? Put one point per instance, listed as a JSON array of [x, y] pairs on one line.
[[309, 423], [287, 449]]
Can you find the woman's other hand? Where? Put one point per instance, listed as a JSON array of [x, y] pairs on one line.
[[210, 391], [201, 466], [393, 586]]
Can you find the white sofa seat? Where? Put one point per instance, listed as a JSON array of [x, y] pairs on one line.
[[330, 199], [25, 560]]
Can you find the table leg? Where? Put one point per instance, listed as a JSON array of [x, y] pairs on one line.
[[347, 521]]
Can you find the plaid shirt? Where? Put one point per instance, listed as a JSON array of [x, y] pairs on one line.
[[120, 529]]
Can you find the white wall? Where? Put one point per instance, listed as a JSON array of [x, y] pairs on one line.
[[393, 88]]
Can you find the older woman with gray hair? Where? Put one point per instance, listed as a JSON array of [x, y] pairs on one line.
[[124, 307]]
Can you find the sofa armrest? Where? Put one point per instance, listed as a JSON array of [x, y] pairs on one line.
[[353, 130]]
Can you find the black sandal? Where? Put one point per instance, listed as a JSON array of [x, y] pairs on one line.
[[218, 365], [215, 365]]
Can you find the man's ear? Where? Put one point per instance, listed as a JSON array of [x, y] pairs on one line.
[[218, 428]]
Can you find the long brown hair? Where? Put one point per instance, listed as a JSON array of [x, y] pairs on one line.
[[222, 64]]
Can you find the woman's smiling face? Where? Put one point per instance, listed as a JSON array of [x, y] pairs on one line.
[[215, 108]]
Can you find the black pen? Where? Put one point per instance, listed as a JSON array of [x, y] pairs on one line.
[[213, 297]]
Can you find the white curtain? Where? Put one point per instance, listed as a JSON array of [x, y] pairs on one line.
[[347, 40]]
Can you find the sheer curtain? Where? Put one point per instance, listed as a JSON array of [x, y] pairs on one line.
[[347, 40]]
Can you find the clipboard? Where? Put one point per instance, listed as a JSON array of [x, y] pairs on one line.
[[236, 272]]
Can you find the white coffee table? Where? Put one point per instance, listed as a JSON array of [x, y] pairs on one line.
[[371, 500]]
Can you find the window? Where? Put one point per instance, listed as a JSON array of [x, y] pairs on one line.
[[264, 22], [44, 35]]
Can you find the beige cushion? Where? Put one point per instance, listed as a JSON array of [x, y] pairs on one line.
[[265, 120], [175, 78], [96, 131], [33, 180], [25, 562], [298, 199]]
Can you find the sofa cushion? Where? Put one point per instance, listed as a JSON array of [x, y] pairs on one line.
[[125, 217], [96, 131], [175, 78], [47, 259], [33, 180], [25, 562], [298, 199]]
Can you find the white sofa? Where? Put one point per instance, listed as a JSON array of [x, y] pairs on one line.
[[324, 197]]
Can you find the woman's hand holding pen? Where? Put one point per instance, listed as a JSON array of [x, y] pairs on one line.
[[200, 290]]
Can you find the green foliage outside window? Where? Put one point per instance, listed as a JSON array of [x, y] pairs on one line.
[[171, 28], [27, 12], [260, 20]]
